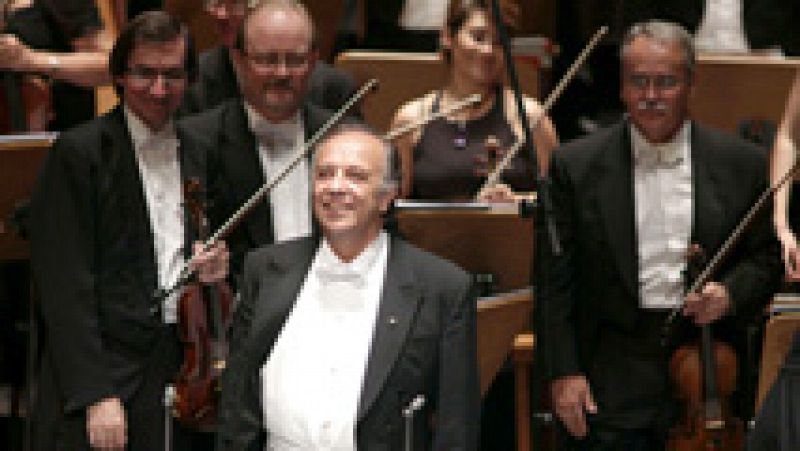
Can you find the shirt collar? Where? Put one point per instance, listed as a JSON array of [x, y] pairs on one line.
[[331, 268], [142, 135], [272, 132], [670, 153]]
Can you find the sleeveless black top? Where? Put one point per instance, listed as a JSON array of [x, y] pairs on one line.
[[445, 156]]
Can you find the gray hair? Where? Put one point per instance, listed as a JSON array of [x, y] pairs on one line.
[[663, 32], [391, 178]]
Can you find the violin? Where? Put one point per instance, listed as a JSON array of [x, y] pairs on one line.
[[704, 374], [204, 312]]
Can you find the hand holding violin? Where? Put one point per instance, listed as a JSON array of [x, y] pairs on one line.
[[211, 265], [708, 305]]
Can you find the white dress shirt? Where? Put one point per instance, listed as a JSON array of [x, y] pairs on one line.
[[157, 158], [722, 28], [664, 208], [290, 200], [312, 380]]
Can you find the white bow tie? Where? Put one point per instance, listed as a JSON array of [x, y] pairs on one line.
[[329, 274], [654, 157]]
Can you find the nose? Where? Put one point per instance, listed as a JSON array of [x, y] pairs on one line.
[[651, 92], [338, 181], [281, 69], [159, 86]]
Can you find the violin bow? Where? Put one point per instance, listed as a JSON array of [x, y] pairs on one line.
[[227, 226], [714, 263], [494, 177], [302, 152]]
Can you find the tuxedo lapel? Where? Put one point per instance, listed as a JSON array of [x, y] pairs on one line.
[[616, 194], [396, 313], [122, 191], [284, 275], [246, 167], [708, 207]]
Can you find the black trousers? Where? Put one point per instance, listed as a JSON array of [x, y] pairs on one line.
[[602, 438], [144, 412]]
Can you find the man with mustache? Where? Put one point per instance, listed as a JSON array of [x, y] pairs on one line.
[[217, 76], [629, 201], [248, 140]]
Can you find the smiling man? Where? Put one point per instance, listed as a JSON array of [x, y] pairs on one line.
[[220, 66], [630, 202], [336, 335], [108, 230], [249, 139]]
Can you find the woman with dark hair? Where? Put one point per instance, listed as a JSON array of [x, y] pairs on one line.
[[447, 159]]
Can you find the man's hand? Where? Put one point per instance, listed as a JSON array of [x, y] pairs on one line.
[[212, 265], [106, 425], [709, 305], [572, 398]]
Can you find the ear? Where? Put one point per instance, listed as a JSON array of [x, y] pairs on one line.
[[387, 197]]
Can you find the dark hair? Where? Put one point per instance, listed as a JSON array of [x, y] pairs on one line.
[[149, 27], [270, 4], [459, 11]]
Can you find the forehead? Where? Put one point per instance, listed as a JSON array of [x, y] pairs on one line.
[[170, 53], [351, 149], [648, 54], [278, 29]]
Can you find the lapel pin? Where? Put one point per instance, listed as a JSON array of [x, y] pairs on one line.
[[392, 320]]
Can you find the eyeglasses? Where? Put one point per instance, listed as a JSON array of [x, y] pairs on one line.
[[144, 76], [273, 60], [658, 81]]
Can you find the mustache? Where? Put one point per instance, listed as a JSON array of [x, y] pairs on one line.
[[651, 105]]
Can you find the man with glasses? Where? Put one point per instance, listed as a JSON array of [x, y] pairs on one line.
[[107, 231], [249, 140], [630, 203], [218, 75]]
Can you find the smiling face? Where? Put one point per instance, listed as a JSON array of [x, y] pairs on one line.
[[350, 195], [278, 59], [656, 85], [155, 80], [475, 49]]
